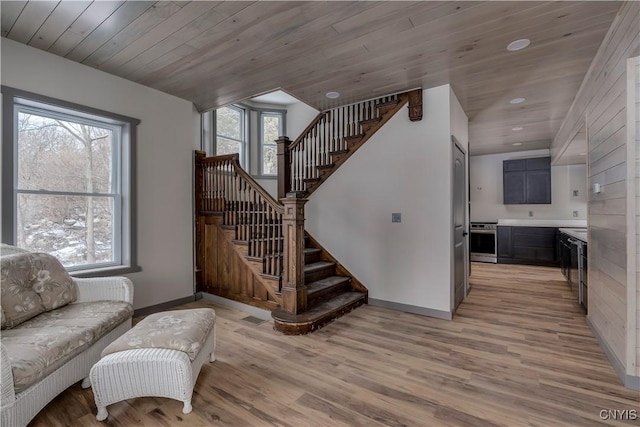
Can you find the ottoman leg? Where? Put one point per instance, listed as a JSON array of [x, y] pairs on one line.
[[102, 414], [187, 407], [212, 358], [86, 383]]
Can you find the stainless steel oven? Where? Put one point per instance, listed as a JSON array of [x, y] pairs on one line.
[[483, 242]]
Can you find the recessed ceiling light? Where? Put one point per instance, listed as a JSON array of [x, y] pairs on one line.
[[518, 45], [517, 143], [517, 128], [517, 101], [332, 95]]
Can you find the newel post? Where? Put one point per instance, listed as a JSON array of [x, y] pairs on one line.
[[284, 166], [294, 292], [199, 180]]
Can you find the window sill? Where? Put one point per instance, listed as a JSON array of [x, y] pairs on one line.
[[115, 270]]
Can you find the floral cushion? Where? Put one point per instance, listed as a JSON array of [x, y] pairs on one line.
[[31, 284], [183, 330], [19, 300], [41, 345], [52, 282]]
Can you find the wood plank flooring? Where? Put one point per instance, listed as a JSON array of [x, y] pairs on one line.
[[518, 353]]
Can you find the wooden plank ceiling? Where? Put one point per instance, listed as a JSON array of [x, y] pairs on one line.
[[216, 53]]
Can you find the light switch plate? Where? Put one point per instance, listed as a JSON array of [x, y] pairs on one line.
[[576, 193], [396, 217], [530, 213]]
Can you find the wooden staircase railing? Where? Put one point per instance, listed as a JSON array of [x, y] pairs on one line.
[[273, 232], [329, 140], [222, 186]]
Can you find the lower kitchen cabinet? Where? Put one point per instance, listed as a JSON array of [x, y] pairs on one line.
[[528, 245]]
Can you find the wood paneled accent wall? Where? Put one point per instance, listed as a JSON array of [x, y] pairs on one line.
[[602, 102]]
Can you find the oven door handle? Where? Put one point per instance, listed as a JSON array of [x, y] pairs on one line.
[[483, 231]]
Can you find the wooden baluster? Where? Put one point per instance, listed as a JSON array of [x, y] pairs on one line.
[[325, 144], [241, 227]]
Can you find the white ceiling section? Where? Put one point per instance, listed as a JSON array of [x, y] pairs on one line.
[[216, 53], [277, 97]]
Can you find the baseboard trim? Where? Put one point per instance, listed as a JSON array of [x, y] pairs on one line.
[[162, 306], [630, 381], [439, 314], [254, 311]]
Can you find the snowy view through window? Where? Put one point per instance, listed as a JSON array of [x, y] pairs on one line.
[[66, 192]]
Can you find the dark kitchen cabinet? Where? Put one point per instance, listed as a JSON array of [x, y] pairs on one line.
[[504, 242], [527, 181], [528, 245]]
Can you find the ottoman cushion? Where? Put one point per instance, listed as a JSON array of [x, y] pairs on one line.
[[183, 330]]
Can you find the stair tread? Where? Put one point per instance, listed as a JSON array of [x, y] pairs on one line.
[[327, 282], [312, 250], [321, 310], [309, 268]]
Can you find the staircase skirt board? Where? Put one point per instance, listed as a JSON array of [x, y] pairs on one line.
[[227, 271]]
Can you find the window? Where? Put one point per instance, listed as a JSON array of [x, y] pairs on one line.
[[231, 132], [271, 128], [68, 190]]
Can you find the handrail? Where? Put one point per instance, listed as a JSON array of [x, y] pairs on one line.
[[220, 159], [256, 187]]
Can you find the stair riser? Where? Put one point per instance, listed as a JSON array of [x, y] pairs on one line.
[[317, 298], [312, 257], [320, 274]]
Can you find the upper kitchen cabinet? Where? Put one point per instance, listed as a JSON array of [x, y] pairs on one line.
[[527, 181]]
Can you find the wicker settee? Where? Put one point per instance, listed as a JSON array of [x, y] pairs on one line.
[[54, 328]]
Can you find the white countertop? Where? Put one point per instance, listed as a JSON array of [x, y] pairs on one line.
[[576, 233], [579, 223]]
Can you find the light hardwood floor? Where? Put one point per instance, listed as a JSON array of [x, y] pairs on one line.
[[518, 353]]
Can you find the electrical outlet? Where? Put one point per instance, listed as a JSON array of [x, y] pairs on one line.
[[530, 213], [575, 214], [576, 193], [396, 217]]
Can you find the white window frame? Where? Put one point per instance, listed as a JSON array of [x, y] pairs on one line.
[[123, 170], [261, 142], [243, 141]]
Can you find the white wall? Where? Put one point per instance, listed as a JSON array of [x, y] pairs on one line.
[[405, 167], [486, 190], [459, 123], [167, 135], [299, 115]]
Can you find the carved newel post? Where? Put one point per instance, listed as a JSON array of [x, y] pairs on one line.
[[284, 166], [294, 292]]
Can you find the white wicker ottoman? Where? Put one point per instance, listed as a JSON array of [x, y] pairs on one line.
[[161, 356]]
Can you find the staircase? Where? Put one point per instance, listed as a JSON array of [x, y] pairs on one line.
[[253, 248], [331, 293], [329, 140]]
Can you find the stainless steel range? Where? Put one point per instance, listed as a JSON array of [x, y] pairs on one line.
[[483, 242]]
